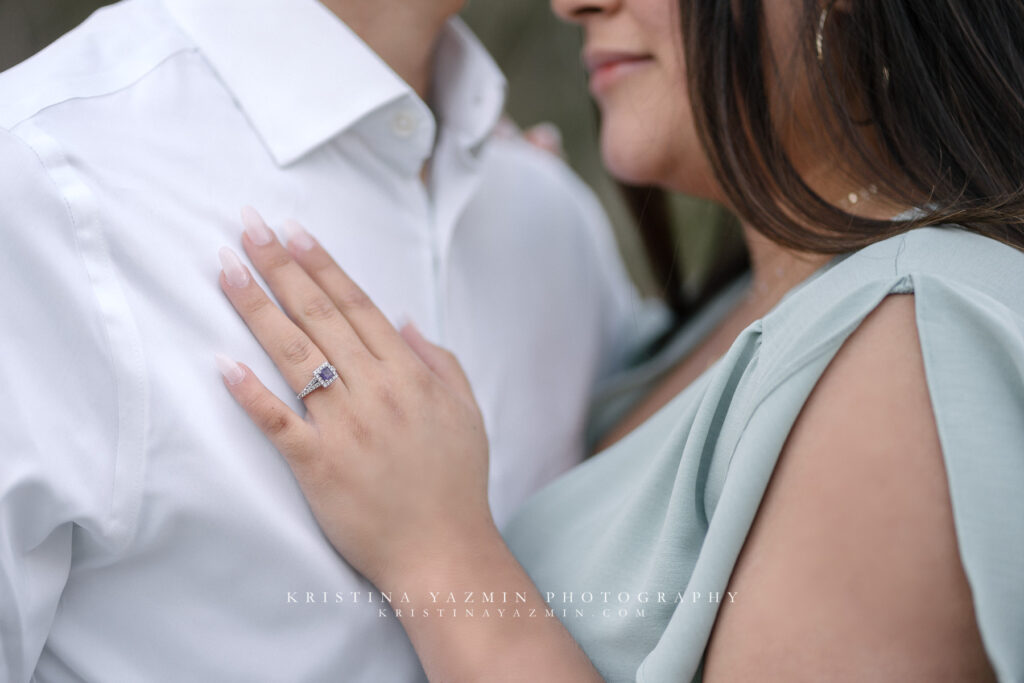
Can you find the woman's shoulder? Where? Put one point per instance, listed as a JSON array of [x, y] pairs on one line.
[[949, 253], [901, 444], [857, 501], [956, 276], [964, 304]]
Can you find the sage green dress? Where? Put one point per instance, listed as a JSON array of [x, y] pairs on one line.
[[635, 547]]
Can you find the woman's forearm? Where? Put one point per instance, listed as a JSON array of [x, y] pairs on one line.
[[474, 614]]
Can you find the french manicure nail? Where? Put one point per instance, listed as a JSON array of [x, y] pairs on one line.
[[255, 227], [548, 135], [405, 323], [234, 271], [297, 235], [231, 370]]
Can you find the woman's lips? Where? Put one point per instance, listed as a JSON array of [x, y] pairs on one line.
[[607, 67]]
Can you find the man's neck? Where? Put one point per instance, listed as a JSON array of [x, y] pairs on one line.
[[403, 33]]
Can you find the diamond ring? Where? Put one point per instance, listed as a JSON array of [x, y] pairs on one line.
[[323, 376]]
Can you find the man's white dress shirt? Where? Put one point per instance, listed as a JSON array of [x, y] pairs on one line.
[[148, 531]]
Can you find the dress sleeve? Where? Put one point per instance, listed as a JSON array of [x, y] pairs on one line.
[[972, 344], [58, 406], [973, 349]]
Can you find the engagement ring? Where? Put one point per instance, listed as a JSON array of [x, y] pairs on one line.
[[323, 376]]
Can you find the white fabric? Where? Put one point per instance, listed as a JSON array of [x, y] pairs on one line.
[[148, 532]]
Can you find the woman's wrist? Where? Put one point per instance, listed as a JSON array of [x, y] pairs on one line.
[[454, 559], [473, 613]]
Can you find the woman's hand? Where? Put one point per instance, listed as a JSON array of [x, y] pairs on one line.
[[392, 455]]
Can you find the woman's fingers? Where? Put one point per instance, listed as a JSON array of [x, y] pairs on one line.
[[302, 299], [440, 360], [289, 433], [369, 323], [546, 136], [292, 351]]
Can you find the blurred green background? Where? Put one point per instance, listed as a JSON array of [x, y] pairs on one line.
[[541, 57]]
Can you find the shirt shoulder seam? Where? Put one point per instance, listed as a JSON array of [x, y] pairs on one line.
[[129, 466], [10, 120], [43, 80]]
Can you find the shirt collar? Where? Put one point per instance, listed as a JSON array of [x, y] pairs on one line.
[[302, 76], [469, 88]]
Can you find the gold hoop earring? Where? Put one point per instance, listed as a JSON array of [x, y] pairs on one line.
[[819, 37]]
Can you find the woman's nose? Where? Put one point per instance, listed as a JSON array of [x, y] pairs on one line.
[[577, 11]]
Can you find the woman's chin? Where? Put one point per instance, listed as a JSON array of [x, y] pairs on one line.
[[634, 170], [630, 168]]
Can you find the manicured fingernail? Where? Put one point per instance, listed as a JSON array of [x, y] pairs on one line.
[[231, 370], [506, 129], [548, 136], [297, 236], [234, 271], [405, 323], [255, 227]]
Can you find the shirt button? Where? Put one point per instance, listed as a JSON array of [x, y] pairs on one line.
[[404, 124]]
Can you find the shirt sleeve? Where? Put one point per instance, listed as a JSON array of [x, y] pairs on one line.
[[58, 405]]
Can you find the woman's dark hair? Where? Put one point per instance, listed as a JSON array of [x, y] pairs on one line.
[[927, 97]]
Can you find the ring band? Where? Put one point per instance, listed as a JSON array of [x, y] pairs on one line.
[[323, 376]]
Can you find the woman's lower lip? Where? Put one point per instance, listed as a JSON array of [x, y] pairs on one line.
[[605, 76]]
